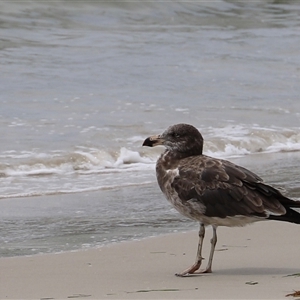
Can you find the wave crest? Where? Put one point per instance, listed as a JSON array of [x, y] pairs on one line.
[[89, 169]]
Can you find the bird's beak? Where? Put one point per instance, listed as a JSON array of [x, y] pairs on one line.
[[153, 141]]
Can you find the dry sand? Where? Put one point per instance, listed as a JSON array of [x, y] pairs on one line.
[[253, 262]]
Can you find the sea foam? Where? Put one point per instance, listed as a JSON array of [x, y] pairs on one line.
[[89, 169]]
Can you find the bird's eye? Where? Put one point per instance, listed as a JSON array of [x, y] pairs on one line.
[[175, 135]]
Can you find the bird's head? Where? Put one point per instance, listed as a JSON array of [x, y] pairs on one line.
[[183, 138]]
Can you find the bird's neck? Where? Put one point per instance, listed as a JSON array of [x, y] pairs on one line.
[[170, 159]]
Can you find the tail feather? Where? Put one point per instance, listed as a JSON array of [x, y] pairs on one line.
[[271, 192], [291, 216]]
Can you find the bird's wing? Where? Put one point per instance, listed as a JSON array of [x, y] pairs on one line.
[[225, 189]]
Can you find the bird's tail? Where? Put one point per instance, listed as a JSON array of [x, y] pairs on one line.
[[291, 216], [292, 207]]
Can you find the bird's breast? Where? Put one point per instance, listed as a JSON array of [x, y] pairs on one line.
[[165, 179]]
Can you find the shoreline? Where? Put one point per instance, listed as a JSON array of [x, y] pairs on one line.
[[256, 261], [97, 218]]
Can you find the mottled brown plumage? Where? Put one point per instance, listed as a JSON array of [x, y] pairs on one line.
[[213, 191]]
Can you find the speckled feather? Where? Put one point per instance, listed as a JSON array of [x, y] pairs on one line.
[[213, 191], [210, 190]]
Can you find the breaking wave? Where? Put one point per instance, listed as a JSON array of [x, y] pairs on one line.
[[89, 169]]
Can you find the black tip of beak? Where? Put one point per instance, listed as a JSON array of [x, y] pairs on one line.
[[148, 142]]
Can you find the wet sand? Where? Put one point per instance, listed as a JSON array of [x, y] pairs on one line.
[[254, 262]]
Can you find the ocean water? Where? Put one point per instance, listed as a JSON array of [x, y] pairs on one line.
[[84, 83]]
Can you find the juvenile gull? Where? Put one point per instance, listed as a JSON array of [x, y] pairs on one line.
[[213, 191]]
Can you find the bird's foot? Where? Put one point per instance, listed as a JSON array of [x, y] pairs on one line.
[[192, 271]]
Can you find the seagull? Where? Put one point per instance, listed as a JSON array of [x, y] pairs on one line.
[[213, 191]]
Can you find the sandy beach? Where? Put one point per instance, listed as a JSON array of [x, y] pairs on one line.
[[83, 85], [260, 261]]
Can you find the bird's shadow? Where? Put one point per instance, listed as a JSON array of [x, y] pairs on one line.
[[282, 272], [259, 271]]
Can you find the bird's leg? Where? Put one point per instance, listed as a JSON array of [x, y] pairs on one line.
[[195, 267], [213, 242], [199, 257]]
